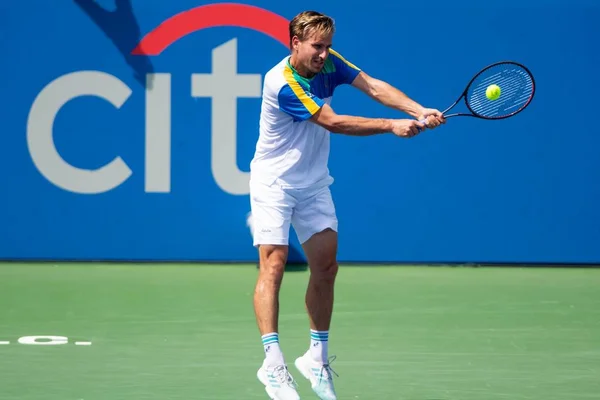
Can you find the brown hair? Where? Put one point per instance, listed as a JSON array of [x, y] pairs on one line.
[[307, 22]]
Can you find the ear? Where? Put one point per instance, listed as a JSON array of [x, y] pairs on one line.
[[295, 42]]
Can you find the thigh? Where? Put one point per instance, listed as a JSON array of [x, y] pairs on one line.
[[271, 211], [321, 250], [314, 213]]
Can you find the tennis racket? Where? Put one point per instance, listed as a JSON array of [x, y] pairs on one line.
[[516, 87]]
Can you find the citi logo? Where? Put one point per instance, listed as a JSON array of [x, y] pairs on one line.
[[223, 85]]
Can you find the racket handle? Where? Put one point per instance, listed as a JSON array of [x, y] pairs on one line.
[[423, 122]]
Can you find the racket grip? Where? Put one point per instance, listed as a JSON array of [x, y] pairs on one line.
[[423, 122]]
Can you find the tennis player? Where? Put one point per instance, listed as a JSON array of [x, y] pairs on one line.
[[290, 181]]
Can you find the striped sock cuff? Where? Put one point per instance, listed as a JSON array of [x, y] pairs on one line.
[[270, 338], [319, 336]]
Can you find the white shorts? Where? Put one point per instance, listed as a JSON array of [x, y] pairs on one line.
[[274, 208]]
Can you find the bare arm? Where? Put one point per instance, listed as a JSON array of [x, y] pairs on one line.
[[350, 125], [360, 126], [387, 95]]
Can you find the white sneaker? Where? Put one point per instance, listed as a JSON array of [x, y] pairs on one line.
[[319, 375], [278, 382]]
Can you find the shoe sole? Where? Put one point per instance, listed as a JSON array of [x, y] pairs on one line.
[[268, 389], [305, 373], [271, 395]]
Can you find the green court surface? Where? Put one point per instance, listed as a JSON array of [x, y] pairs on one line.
[[172, 331]]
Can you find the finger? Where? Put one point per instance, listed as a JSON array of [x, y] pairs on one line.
[[419, 127], [432, 122]]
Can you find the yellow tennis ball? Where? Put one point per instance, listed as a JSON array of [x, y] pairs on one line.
[[493, 92]]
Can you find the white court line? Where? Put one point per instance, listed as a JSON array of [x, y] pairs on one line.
[[83, 343], [4, 342]]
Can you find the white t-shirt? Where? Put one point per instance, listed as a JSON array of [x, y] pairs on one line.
[[291, 150]]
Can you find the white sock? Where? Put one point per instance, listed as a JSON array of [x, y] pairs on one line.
[[273, 354], [319, 348]]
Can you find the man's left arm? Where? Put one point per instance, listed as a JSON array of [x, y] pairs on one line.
[[390, 96]]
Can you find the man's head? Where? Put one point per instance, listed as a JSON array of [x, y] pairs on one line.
[[311, 34]]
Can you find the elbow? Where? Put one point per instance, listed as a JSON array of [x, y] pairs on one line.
[[375, 91], [335, 124], [326, 118]]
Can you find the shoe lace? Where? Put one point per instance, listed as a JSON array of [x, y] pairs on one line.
[[283, 376], [326, 370]]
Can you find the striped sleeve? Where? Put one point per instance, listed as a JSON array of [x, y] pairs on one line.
[[297, 102], [345, 71]]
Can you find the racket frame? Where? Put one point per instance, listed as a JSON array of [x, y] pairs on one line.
[[473, 113]]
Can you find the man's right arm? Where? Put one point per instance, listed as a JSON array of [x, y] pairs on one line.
[[302, 105], [361, 126]]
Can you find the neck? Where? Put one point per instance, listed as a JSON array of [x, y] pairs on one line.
[[299, 67]]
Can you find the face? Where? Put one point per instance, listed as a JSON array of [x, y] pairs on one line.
[[311, 53]]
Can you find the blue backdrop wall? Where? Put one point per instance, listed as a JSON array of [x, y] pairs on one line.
[[108, 153]]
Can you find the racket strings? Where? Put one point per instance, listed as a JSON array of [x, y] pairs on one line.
[[516, 86]]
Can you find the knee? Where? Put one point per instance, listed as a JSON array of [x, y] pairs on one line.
[[326, 271], [272, 268]]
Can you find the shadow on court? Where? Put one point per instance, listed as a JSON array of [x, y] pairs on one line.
[[123, 30]]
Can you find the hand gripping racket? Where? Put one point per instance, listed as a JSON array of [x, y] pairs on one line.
[[509, 85]]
